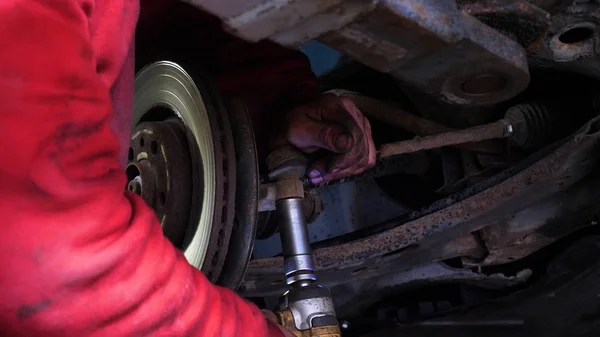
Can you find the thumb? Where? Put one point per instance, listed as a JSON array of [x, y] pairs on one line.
[[318, 170], [311, 134], [334, 139]]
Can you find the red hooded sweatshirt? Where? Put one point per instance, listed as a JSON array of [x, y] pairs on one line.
[[79, 256]]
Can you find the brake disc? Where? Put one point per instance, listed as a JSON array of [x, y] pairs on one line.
[[182, 162], [246, 198]]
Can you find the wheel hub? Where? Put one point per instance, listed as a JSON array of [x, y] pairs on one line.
[[159, 171]]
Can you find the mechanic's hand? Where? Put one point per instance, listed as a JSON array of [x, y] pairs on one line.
[[334, 124], [273, 318]]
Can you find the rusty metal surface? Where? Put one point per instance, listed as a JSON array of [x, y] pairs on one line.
[[579, 52], [395, 116], [333, 18], [499, 129], [411, 243], [289, 188], [290, 22], [520, 19], [226, 9], [512, 238], [428, 43], [469, 246], [436, 47]]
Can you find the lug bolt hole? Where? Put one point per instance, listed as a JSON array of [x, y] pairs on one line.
[[154, 147], [142, 142]]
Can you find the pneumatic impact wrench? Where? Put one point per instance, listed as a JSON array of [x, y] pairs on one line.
[[307, 308]]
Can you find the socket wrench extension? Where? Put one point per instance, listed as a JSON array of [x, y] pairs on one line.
[[307, 309]]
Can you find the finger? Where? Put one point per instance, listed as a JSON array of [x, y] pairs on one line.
[[332, 167], [355, 162], [336, 110], [323, 170], [355, 159], [335, 174], [309, 134], [318, 170]]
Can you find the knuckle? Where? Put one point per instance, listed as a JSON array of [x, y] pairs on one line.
[[326, 135]]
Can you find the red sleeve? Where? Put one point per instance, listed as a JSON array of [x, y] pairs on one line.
[[78, 257]]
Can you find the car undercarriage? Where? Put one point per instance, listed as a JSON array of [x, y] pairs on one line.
[[480, 215]]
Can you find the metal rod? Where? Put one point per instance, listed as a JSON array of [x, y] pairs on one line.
[[397, 117], [413, 164], [294, 234], [299, 264], [495, 130], [389, 113]]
